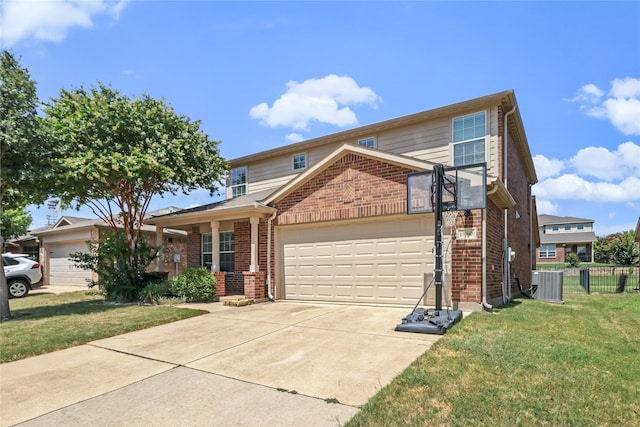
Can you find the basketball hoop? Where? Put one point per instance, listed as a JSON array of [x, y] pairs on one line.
[[449, 218]]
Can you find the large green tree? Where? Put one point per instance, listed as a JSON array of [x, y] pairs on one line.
[[14, 223], [24, 171], [619, 248], [114, 153]]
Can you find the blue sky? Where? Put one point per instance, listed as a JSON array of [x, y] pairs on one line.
[[264, 74]]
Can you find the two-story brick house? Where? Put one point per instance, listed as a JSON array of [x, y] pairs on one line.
[[326, 219], [563, 235]]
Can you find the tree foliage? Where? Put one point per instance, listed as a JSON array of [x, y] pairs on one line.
[[24, 171], [14, 222], [618, 248], [114, 153], [121, 270]]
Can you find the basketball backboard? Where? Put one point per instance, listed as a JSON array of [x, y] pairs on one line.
[[464, 187]]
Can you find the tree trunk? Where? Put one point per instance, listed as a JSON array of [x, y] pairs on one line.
[[5, 312]]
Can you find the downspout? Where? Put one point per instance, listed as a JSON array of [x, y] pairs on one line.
[[485, 304], [269, 292], [505, 174]]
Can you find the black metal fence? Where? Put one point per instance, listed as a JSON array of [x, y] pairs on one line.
[[600, 279]]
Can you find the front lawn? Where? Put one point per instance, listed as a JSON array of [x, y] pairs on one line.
[[45, 323], [532, 363]]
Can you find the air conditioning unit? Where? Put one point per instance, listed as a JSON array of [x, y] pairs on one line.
[[547, 286]]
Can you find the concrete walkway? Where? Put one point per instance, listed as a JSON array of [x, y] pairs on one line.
[[270, 364]]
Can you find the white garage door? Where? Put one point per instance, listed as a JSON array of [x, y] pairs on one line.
[[374, 262], [62, 270]]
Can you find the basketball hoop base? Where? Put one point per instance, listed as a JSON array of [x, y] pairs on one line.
[[429, 321]]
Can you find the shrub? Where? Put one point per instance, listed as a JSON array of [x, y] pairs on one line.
[[121, 269], [156, 291], [194, 285], [572, 260]]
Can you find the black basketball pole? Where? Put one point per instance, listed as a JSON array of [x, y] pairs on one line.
[[438, 172]]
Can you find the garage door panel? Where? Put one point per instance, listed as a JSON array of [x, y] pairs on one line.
[[61, 270], [382, 261]]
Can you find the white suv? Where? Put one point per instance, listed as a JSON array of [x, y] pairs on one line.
[[22, 274]]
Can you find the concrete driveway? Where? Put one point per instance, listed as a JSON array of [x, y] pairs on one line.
[[268, 364]]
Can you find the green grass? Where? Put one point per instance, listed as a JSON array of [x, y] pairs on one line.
[[532, 364], [46, 323]]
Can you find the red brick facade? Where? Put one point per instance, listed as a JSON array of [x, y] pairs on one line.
[[353, 187]]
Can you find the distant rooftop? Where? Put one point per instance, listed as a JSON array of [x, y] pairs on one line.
[[552, 219]]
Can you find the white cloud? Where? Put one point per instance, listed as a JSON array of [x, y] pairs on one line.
[[325, 100], [621, 106], [601, 163], [574, 187], [546, 168], [50, 20], [294, 137], [546, 207]]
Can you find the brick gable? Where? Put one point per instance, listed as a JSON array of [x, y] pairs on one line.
[[353, 187]]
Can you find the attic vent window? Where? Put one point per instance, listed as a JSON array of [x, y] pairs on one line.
[[299, 161], [368, 142]]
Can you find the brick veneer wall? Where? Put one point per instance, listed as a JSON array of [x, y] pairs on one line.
[[194, 248], [466, 261], [353, 187], [242, 236]]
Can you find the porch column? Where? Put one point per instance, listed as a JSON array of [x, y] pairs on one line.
[[253, 266], [159, 243], [215, 246]]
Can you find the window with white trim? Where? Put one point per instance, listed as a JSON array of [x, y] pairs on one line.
[[368, 142], [207, 252], [238, 182], [227, 251], [567, 227], [469, 133], [547, 251], [299, 161], [580, 226]]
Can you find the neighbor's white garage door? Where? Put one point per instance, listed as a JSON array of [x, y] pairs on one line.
[[62, 270], [375, 262]]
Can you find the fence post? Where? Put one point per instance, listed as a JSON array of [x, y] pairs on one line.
[[584, 279]]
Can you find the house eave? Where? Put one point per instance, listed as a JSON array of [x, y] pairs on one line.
[[183, 220]]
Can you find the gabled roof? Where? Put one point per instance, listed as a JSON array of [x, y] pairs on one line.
[[87, 223], [552, 219], [371, 153]]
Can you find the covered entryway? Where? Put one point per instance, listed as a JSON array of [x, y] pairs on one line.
[[382, 261], [62, 271]]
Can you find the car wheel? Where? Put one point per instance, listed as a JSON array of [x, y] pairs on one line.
[[18, 289]]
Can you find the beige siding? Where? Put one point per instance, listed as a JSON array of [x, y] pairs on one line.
[[429, 141]]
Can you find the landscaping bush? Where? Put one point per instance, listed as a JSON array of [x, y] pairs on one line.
[[156, 291], [194, 285], [572, 260]]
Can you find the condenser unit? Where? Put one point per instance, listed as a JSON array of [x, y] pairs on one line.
[[547, 286]]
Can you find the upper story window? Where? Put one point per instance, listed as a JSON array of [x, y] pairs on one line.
[[238, 182], [580, 226], [368, 142], [469, 134], [299, 161], [567, 227], [555, 228]]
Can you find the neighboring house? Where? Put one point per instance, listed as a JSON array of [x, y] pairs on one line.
[[71, 234], [637, 235], [562, 235], [326, 219]]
